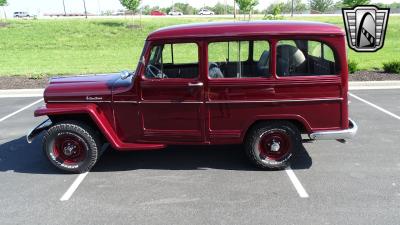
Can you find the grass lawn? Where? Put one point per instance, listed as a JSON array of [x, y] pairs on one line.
[[76, 46]]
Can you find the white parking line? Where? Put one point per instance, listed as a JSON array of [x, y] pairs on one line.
[[67, 195], [20, 110], [375, 106], [296, 183]]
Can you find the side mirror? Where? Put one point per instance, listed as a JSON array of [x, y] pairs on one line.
[[125, 74]]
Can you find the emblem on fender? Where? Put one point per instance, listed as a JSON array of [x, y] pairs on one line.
[[365, 27]]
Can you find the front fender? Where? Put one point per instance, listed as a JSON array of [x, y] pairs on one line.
[[99, 118], [38, 129]]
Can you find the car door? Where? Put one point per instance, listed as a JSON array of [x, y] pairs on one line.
[[239, 84], [172, 94]]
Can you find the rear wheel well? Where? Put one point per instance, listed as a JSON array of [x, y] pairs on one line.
[[300, 126], [81, 117]]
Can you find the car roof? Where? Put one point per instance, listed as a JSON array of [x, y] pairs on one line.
[[244, 28]]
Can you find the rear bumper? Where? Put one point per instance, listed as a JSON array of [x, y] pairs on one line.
[[336, 134], [39, 128]]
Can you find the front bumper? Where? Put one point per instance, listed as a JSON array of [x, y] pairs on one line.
[[336, 134], [39, 128]]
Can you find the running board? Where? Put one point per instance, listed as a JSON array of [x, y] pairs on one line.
[[140, 147]]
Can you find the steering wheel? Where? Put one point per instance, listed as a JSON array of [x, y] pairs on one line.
[[155, 72]]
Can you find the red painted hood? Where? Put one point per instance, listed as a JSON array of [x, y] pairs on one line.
[[80, 88]]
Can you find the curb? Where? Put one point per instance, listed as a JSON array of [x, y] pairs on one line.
[[353, 85], [21, 93], [373, 85]]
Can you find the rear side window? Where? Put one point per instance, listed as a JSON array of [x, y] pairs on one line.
[[238, 59], [305, 58]]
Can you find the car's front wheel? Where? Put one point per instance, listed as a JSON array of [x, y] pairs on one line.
[[72, 146], [271, 145]]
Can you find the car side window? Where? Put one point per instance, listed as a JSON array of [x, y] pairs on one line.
[[305, 58], [179, 60], [238, 59]]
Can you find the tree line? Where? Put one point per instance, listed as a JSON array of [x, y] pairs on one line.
[[248, 7]]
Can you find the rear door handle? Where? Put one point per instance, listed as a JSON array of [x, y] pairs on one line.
[[198, 84]]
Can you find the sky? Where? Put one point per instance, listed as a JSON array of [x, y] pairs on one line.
[[39, 7]]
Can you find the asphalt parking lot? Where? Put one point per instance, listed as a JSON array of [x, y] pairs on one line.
[[329, 183]]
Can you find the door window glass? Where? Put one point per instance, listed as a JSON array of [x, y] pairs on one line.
[[179, 60], [233, 59]]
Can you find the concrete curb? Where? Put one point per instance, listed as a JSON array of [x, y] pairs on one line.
[[372, 85], [21, 93], [353, 85]]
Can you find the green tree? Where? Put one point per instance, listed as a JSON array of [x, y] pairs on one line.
[[352, 3], [298, 7], [274, 11], [321, 5], [2, 4], [220, 9], [246, 6], [184, 8], [131, 5]]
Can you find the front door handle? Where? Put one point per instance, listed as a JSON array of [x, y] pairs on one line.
[[197, 84]]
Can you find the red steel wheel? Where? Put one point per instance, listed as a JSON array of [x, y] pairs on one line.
[[69, 148], [72, 146], [274, 144], [271, 145]]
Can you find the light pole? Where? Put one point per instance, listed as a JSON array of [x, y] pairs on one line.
[[234, 9], [84, 6], [98, 5], [292, 7], [65, 11], [226, 7]]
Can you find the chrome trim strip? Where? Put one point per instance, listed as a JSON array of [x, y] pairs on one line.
[[78, 101], [135, 102], [273, 101], [170, 102], [336, 134], [208, 102]]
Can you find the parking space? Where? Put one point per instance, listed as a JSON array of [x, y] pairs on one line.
[[353, 183], [387, 99]]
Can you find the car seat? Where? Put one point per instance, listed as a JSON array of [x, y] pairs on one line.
[[290, 60]]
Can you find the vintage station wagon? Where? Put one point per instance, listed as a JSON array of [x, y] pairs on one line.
[[261, 84]]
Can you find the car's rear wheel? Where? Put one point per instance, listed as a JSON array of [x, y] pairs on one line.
[[72, 146], [271, 145]]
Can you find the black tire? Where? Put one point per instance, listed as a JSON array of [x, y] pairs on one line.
[[282, 134], [78, 135]]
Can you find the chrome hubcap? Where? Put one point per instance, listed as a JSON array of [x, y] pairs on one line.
[[69, 149], [275, 146]]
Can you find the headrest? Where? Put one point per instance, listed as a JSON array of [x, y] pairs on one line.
[[291, 53]]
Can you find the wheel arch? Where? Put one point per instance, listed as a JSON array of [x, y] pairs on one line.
[[298, 121], [99, 118], [81, 117], [89, 114]]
